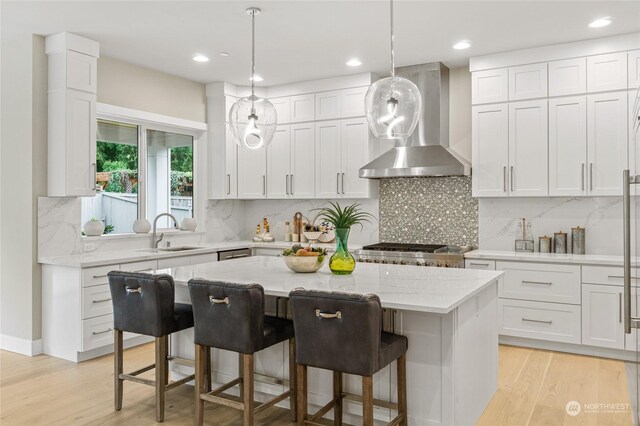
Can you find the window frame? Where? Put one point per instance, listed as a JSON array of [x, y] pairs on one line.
[[151, 121]]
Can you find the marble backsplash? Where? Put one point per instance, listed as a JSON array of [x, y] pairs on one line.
[[428, 211]]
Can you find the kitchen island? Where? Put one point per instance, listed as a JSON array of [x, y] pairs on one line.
[[448, 315]]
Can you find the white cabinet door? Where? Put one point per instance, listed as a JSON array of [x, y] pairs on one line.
[[355, 154], [489, 86], [328, 167], [283, 109], [490, 150], [602, 316], [528, 82], [606, 142], [633, 71], [81, 144], [252, 173], [231, 164], [567, 146], [568, 77], [353, 102], [607, 72], [302, 182], [329, 105], [528, 148], [278, 163], [303, 108]]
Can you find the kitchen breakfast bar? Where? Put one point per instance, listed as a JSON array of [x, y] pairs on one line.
[[448, 315]]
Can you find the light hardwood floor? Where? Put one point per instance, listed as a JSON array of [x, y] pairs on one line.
[[534, 387]]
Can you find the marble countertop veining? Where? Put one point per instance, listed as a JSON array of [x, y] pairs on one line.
[[403, 287], [101, 258], [578, 259]]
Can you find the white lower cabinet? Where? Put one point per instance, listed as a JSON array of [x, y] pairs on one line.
[[558, 322], [602, 322], [540, 282], [489, 265]]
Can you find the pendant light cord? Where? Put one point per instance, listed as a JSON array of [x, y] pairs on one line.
[[253, 59], [393, 62]]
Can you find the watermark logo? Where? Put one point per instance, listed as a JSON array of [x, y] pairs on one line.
[[573, 408]]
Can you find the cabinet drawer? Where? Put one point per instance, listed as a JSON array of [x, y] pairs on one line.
[[541, 282], [97, 275], [538, 320], [267, 252], [608, 275], [144, 266], [480, 264], [203, 258], [97, 332], [96, 301], [174, 262]]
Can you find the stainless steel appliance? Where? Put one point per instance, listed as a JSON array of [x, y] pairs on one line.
[[438, 255], [233, 254]]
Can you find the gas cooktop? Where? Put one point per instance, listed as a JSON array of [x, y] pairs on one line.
[[421, 248], [413, 254]]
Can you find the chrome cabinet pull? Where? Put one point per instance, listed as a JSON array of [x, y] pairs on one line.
[[95, 333], [228, 184], [582, 174], [626, 229], [478, 264], [100, 276], [536, 282], [337, 183], [343, 184], [620, 308], [218, 301], [326, 315], [264, 185], [286, 184], [504, 178], [134, 290], [101, 300], [92, 177], [511, 179], [236, 256], [622, 277], [291, 184], [591, 176], [538, 321]]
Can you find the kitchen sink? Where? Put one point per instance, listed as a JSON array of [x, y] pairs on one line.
[[170, 249]]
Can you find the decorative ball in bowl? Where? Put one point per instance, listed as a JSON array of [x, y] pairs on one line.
[[304, 259]]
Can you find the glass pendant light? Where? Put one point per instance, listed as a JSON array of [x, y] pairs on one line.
[[393, 104], [253, 119]]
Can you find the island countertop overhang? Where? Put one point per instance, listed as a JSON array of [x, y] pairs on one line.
[[402, 287]]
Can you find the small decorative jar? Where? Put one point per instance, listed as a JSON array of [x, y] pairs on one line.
[[141, 226], [560, 242], [577, 240], [93, 228], [188, 224], [545, 244]]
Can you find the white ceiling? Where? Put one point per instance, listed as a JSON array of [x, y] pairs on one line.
[[304, 40]]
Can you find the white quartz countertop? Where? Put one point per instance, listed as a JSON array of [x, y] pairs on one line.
[[581, 259], [101, 258], [403, 287]]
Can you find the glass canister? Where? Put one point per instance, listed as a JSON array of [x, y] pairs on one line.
[[577, 240], [560, 242]]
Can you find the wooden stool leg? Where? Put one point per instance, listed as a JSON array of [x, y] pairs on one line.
[[292, 380], [247, 378], [367, 400], [241, 377], [301, 393], [117, 362], [200, 383], [337, 396], [166, 360], [208, 377], [402, 388], [161, 357]]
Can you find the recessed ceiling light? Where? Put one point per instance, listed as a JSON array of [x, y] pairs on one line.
[[256, 78], [463, 44], [200, 58], [354, 62], [601, 22], [224, 54]]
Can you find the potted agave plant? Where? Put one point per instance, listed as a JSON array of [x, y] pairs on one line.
[[342, 262]]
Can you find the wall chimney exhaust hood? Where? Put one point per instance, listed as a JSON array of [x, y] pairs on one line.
[[427, 152]]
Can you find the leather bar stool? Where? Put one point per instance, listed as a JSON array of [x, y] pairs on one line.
[[343, 333], [144, 304], [231, 317]]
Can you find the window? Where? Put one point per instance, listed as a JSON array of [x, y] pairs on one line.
[[143, 169]]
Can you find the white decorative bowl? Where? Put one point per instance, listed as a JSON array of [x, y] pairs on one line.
[[141, 226], [304, 264], [188, 224], [93, 228]]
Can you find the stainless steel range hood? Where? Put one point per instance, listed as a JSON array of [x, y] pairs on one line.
[[427, 151]]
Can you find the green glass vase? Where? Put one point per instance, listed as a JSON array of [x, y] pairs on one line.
[[342, 262]]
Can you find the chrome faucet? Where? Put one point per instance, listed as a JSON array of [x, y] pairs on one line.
[[156, 240]]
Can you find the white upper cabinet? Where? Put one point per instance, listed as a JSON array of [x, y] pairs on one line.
[[328, 153], [633, 73], [283, 109], [607, 72], [231, 165], [568, 77], [489, 86], [353, 102], [567, 146], [82, 72], [278, 163], [355, 154], [606, 142], [302, 180], [528, 148], [528, 82], [252, 173], [303, 108], [329, 105], [490, 150]]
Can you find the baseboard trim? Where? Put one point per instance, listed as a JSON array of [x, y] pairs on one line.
[[20, 346], [568, 347]]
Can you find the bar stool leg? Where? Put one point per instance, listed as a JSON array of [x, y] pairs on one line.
[[402, 388], [166, 359], [367, 400], [292, 380], [301, 393], [247, 378], [161, 358], [241, 377], [208, 373], [337, 396], [117, 361], [200, 383]]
